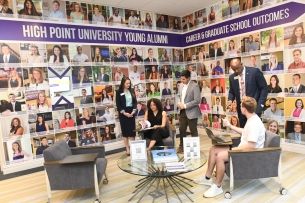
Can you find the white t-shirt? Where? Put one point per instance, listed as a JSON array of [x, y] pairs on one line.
[[254, 131], [80, 57], [134, 76]]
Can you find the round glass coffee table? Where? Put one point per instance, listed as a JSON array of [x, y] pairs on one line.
[[157, 179]]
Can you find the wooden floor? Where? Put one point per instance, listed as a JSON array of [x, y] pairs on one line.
[[32, 188]]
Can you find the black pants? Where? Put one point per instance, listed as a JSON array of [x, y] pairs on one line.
[[183, 123], [159, 134]]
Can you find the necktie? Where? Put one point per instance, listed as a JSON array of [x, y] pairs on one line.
[[298, 136], [103, 77], [296, 90], [230, 10], [167, 91], [242, 85], [6, 60], [13, 104], [150, 60], [84, 99], [217, 109]]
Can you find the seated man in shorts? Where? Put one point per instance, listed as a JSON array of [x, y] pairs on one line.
[[252, 136]]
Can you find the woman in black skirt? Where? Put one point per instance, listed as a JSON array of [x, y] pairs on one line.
[[127, 106], [157, 118]]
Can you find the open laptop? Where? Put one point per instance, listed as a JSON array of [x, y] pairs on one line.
[[219, 139]]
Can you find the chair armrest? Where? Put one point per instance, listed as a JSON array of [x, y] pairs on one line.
[[172, 128], [52, 162], [255, 150], [100, 149]]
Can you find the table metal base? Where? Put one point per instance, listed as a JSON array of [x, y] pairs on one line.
[[176, 182]]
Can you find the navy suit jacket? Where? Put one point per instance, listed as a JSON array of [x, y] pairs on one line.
[[13, 59], [164, 92], [256, 87], [71, 144], [121, 101]]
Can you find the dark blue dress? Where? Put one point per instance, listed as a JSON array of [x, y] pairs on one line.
[[41, 128]]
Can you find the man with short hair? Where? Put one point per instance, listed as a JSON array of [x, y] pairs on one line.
[[85, 99], [13, 105], [216, 52], [150, 57], [90, 138], [134, 75], [298, 87], [178, 57], [103, 77], [189, 107], [6, 56], [217, 108], [161, 23], [80, 57], [273, 111], [107, 117], [140, 111], [231, 9], [297, 134], [68, 140], [251, 46], [177, 72], [217, 70], [193, 73], [297, 63], [166, 90], [252, 136], [253, 62], [43, 146], [119, 57], [96, 16], [133, 21], [188, 23], [56, 14]]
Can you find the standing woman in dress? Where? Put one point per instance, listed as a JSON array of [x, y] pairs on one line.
[[127, 106]]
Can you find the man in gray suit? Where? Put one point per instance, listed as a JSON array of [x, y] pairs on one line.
[[189, 106], [297, 134], [85, 99], [231, 9]]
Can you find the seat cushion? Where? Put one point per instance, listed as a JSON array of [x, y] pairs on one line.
[[58, 151]]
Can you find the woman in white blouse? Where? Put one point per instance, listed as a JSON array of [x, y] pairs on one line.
[[37, 81], [43, 103], [35, 57]]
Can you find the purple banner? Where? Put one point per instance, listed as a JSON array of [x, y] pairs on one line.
[[277, 15], [49, 32]]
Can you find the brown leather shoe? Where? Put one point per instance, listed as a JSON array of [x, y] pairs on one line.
[[180, 150]]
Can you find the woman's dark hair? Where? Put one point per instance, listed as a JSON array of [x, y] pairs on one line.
[[37, 122], [103, 97], [169, 71], [293, 39], [61, 56], [176, 25], [277, 81], [203, 98], [295, 104], [33, 9], [67, 112], [124, 79], [135, 50], [157, 102]]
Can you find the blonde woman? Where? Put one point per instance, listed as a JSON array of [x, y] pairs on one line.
[[97, 55], [14, 82], [77, 13], [272, 42], [273, 63], [82, 76], [35, 56], [37, 81], [86, 118], [273, 126], [43, 103], [205, 121]]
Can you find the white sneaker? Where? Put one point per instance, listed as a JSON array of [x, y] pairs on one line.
[[203, 181], [213, 191]]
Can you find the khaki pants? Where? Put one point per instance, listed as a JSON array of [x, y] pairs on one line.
[[183, 123]]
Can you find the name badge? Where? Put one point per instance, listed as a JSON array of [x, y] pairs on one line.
[[236, 78], [122, 94]]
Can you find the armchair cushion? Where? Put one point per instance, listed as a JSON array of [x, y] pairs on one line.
[[58, 151]]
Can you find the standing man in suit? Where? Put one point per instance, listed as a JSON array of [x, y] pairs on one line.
[[297, 134], [13, 105], [231, 9], [6, 56], [178, 57], [217, 108], [67, 137], [189, 106], [166, 90], [150, 57], [216, 52], [140, 111], [246, 81], [297, 86], [85, 99], [103, 77]]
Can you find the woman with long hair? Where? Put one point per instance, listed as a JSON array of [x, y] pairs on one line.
[[157, 118], [212, 14], [148, 23], [67, 121], [58, 57], [199, 19], [232, 50], [233, 107], [43, 103], [41, 125], [16, 128], [168, 106], [105, 99], [273, 86], [127, 106], [189, 55], [35, 56], [134, 57], [108, 135], [37, 81], [86, 118], [154, 75], [82, 76], [203, 70], [77, 13], [18, 153], [215, 122], [204, 106], [298, 35], [176, 25], [118, 76], [164, 56], [153, 92], [234, 121], [5, 9], [97, 56], [14, 82], [299, 111], [273, 64], [217, 89], [29, 10], [273, 126], [273, 42], [205, 121], [166, 73], [201, 54]]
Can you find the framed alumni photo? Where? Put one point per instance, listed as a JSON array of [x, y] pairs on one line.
[[54, 10], [33, 54], [77, 12]]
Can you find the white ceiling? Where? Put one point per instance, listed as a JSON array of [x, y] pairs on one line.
[[169, 7]]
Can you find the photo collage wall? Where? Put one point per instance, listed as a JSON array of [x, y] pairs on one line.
[[84, 13]]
